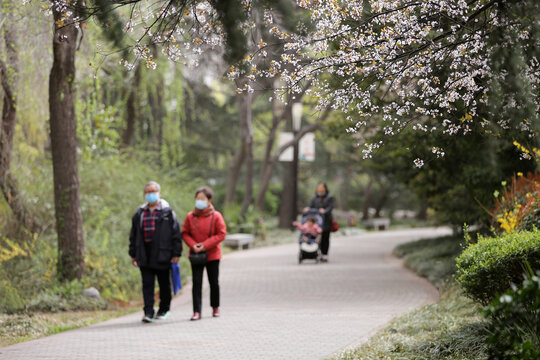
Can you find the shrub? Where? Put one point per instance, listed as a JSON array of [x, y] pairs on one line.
[[10, 300], [518, 206], [514, 322], [489, 267], [65, 297], [109, 197]]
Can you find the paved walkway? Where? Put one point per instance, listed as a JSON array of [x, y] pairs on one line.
[[272, 308]]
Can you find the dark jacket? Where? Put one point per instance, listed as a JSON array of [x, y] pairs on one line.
[[166, 243], [326, 202]]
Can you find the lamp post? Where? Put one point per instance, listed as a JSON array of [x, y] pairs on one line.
[[296, 125]]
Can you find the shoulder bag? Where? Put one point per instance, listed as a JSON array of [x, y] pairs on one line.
[[335, 226]]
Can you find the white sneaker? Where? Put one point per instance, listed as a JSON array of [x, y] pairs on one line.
[[162, 316], [147, 319], [324, 258]]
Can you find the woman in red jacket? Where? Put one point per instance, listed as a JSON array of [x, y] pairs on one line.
[[203, 231]]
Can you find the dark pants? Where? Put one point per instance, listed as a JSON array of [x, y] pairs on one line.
[[212, 269], [325, 242], [148, 279]]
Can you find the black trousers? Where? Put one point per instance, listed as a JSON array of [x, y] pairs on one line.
[[212, 270], [325, 242], [148, 279]]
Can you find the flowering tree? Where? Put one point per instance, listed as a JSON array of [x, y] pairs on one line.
[[449, 66]]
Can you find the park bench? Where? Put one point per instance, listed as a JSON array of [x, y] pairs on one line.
[[239, 241], [377, 223]]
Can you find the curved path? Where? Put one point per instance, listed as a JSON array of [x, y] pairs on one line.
[[272, 308]]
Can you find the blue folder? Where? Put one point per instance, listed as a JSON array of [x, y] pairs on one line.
[[176, 280]]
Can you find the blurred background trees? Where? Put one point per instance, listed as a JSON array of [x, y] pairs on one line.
[[185, 127]]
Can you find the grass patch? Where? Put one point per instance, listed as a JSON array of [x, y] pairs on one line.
[[452, 329], [411, 223], [434, 259], [276, 236], [23, 327]]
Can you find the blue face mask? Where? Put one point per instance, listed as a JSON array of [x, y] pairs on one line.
[[152, 197], [201, 204]]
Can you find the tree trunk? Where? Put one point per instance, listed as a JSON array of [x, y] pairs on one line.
[[286, 215], [266, 176], [384, 193], [155, 99], [64, 149], [155, 121], [367, 198], [345, 190], [132, 113], [9, 73], [381, 202], [157, 107], [235, 164], [269, 165], [422, 212], [246, 108]]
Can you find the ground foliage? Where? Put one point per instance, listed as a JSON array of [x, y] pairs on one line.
[[514, 327]]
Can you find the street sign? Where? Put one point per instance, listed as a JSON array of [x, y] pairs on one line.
[[306, 147], [288, 154]]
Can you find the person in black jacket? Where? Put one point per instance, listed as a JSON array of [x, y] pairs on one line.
[[323, 201], [155, 242]]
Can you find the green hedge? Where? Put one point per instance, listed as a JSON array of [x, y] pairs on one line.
[[489, 267]]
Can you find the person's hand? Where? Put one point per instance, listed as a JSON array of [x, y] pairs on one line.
[[134, 262], [306, 209], [175, 259], [197, 248], [322, 211]]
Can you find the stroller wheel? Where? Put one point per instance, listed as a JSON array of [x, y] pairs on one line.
[[300, 258]]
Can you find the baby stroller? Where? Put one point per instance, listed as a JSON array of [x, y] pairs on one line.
[[310, 249]]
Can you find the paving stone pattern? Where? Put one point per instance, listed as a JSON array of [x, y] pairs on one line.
[[272, 308]]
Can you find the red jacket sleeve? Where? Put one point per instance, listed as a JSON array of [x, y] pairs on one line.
[[186, 232], [220, 231]]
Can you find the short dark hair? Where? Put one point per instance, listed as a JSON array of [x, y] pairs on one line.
[[325, 186], [206, 191]]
